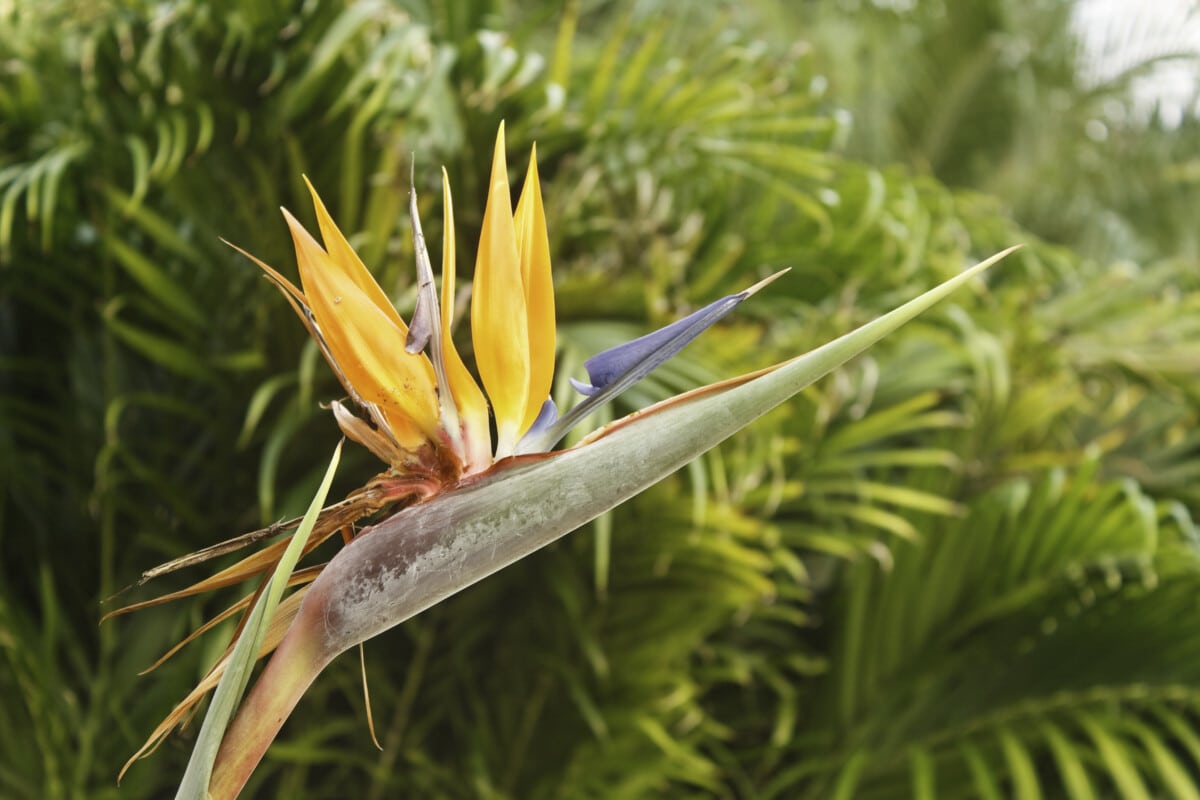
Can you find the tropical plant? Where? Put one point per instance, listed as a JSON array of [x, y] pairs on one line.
[[776, 618]]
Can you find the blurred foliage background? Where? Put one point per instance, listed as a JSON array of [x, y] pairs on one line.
[[965, 565]]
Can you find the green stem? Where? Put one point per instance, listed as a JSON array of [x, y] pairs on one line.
[[294, 665]]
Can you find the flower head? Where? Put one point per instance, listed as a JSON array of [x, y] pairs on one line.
[[424, 414], [420, 410], [412, 400]]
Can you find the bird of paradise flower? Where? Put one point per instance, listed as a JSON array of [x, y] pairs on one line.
[[459, 509]]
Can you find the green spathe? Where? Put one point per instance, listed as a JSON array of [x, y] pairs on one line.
[[428, 552]]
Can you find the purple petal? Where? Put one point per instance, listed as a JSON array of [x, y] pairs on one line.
[[646, 352], [547, 416], [618, 368], [583, 388]]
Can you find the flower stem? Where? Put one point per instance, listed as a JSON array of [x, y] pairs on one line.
[[292, 668]]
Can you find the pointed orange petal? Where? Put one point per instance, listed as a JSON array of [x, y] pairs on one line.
[[498, 322], [289, 289], [299, 304], [367, 345], [533, 245], [347, 260], [472, 407]]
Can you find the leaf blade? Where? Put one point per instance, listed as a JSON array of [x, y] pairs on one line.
[[194, 785]]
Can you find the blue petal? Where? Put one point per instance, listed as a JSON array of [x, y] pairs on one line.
[[583, 388], [547, 416], [618, 368], [646, 352]]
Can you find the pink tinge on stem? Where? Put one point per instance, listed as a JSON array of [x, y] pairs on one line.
[[298, 660]]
